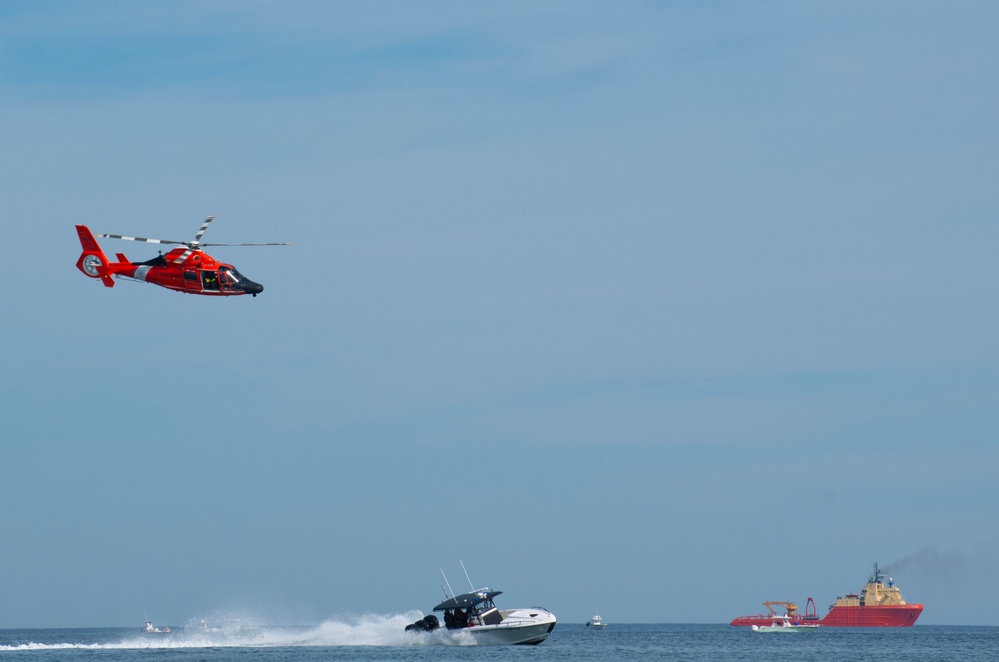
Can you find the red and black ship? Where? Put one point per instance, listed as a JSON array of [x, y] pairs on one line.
[[880, 604]]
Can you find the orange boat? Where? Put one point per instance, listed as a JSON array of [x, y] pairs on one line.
[[880, 604]]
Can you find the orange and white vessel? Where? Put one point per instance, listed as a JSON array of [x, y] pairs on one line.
[[880, 604]]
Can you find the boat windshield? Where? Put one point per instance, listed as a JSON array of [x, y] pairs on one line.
[[485, 606]]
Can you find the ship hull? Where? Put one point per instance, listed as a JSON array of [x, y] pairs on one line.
[[873, 617], [851, 617]]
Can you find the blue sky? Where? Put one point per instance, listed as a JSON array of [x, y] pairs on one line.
[[666, 308]]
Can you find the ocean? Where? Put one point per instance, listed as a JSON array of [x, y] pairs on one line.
[[374, 638]]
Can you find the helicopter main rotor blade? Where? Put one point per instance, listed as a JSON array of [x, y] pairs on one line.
[[191, 246], [271, 244], [204, 226], [145, 239]]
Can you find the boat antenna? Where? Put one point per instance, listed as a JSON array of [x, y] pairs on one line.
[[466, 575], [448, 584]]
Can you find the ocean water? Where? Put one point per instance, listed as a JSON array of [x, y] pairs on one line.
[[372, 638]]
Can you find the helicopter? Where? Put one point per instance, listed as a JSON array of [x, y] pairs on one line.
[[186, 268]]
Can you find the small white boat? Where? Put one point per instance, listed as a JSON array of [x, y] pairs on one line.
[[596, 622], [785, 624], [149, 629]]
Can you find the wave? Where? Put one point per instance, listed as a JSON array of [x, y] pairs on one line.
[[365, 630]]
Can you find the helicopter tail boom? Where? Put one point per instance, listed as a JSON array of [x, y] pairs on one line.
[[93, 262]]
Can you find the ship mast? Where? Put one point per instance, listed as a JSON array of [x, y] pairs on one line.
[[877, 575]]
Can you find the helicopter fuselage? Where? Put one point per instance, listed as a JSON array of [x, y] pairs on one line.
[[198, 273]]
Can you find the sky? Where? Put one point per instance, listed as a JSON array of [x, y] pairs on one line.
[[661, 309]]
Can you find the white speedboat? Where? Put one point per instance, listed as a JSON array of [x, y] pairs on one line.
[[785, 624], [596, 623], [475, 614]]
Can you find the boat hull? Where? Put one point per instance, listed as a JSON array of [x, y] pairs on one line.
[[785, 628], [853, 617], [514, 634]]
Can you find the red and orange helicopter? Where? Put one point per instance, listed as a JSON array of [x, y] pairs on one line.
[[185, 269]]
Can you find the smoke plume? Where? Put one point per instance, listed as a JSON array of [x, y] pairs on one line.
[[930, 564]]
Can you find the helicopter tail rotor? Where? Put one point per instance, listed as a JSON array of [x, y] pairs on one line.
[[93, 262]]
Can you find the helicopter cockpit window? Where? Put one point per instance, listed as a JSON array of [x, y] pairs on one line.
[[229, 276]]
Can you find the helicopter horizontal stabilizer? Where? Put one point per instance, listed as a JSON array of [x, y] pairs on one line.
[[121, 258]]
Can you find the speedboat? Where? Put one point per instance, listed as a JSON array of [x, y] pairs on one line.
[[149, 629], [596, 622], [475, 614], [785, 624]]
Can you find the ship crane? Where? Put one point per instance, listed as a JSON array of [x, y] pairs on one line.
[[789, 607]]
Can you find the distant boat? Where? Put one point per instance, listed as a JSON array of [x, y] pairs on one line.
[[149, 629], [785, 624], [596, 622]]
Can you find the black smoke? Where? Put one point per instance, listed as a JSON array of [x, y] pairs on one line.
[[929, 563]]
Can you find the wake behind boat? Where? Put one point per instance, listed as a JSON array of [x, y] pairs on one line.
[[475, 613]]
